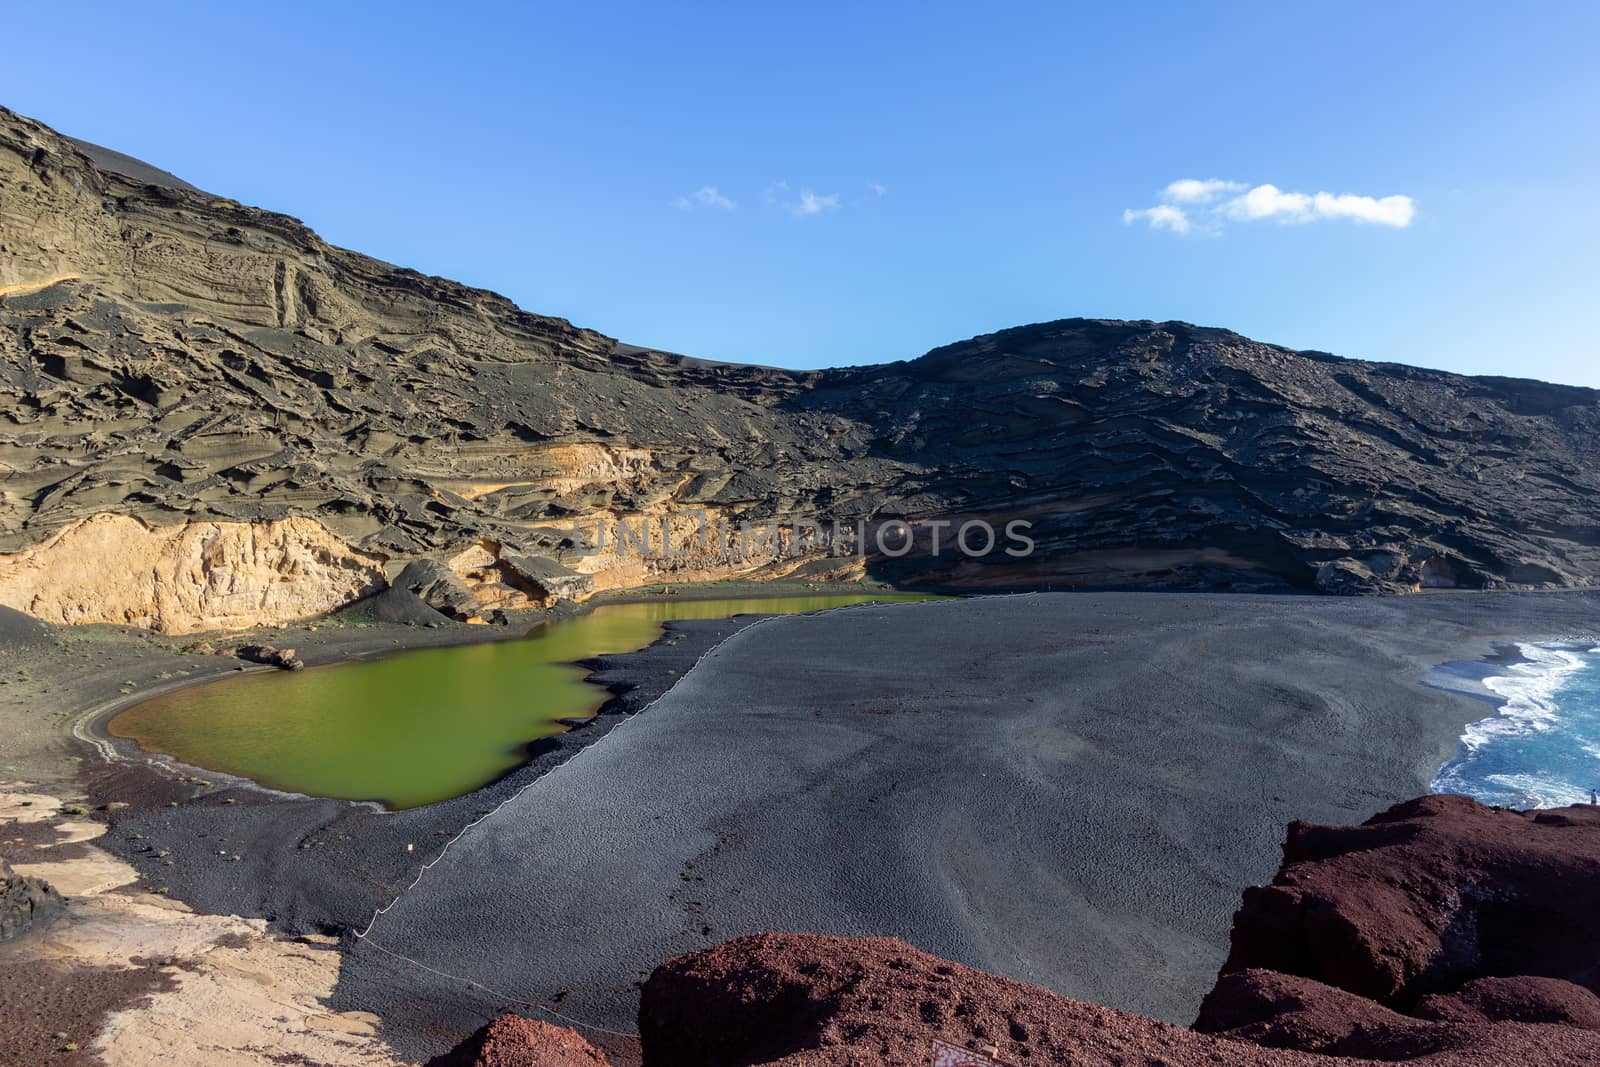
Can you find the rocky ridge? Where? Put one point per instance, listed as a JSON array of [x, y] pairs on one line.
[[186, 363]]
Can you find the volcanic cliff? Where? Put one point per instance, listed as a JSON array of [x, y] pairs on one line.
[[210, 417]]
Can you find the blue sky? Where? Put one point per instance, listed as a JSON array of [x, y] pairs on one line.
[[886, 178]]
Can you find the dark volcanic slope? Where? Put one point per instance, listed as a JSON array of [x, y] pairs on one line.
[[1209, 453], [137, 169], [178, 357]]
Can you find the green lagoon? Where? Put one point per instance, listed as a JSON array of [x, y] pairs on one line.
[[416, 727]]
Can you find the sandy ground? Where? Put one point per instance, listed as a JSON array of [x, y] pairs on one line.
[[298, 866], [129, 977], [1070, 789], [1066, 788]]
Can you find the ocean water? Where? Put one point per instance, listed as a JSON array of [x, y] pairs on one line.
[[1542, 748]]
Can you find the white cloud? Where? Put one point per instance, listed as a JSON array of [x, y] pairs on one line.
[[1269, 202], [812, 204], [1217, 201], [1160, 217], [1386, 211], [803, 204], [705, 196], [1197, 191]]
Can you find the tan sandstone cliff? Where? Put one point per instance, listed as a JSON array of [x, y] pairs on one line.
[[181, 579]]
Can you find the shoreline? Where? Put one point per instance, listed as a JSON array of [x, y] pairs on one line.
[[192, 811], [293, 875], [387, 639], [302, 871], [617, 676], [721, 797], [1520, 682], [308, 866], [90, 726]]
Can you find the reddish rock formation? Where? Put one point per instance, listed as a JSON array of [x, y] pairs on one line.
[[795, 1000], [1284, 1011], [1427, 896], [1528, 1000], [512, 1041]]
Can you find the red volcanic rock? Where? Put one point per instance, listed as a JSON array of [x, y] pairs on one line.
[[1428, 896], [1286, 1011], [1268, 1008], [1528, 1000], [798, 1000], [512, 1041], [1505, 1023]]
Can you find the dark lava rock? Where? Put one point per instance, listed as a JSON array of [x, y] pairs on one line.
[[547, 577], [18, 630], [179, 357], [398, 604], [440, 588], [282, 658], [512, 1041], [25, 903]]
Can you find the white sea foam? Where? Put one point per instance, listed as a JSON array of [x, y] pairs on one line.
[[1537, 792], [1529, 692]]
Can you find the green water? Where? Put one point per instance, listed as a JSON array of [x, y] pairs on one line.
[[417, 727]]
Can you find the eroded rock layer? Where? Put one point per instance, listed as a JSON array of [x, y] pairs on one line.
[[178, 358], [187, 577], [25, 903]]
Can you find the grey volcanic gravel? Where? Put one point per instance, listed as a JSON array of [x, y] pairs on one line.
[[1069, 789]]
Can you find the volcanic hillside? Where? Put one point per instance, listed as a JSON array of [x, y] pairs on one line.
[[211, 417]]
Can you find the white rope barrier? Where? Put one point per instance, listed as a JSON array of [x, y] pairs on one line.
[[496, 993]]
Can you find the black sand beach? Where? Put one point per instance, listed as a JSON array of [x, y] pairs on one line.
[[1070, 789], [1067, 788]]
